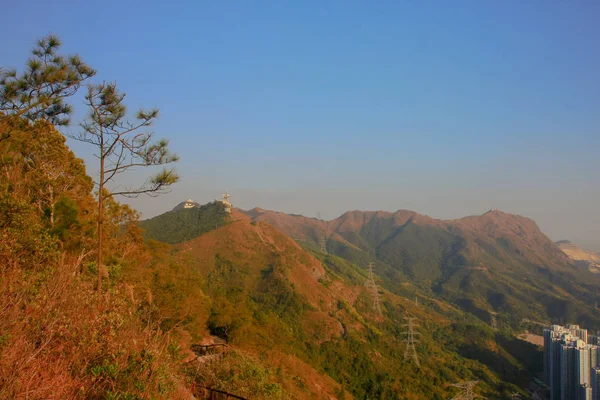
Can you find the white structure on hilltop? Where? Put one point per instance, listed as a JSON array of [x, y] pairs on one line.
[[189, 203], [226, 203]]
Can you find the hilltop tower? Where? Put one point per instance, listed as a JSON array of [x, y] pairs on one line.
[[226, 203]]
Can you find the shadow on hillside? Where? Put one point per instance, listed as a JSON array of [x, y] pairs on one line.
[[496, 362], [468, 305], [529, 355]]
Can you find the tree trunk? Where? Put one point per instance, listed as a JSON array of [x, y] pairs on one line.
[[100, 213], [52, 205], [100, 234]]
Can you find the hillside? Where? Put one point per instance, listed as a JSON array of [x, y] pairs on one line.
[[491, 263], [60, 337], [311, 317], [583, 258], [183, 224]]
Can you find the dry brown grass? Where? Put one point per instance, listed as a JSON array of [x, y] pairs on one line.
[[60, 339]]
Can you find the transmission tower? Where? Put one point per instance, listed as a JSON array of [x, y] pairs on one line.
[[467, 391], [373, 289], [411, 352], [323, 244], [493, 322]]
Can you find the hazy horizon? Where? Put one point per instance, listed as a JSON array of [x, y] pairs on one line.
[[443, 108], [285, 202]]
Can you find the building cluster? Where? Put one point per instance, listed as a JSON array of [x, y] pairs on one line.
[[571, 363]]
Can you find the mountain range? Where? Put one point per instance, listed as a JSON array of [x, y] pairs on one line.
[[310, 316], [289, 292], [486, 264]]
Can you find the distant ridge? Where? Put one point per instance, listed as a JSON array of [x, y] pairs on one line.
[[493, 262], [583, 258]]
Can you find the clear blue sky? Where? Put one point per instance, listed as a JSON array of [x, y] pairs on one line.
[[442, 107]]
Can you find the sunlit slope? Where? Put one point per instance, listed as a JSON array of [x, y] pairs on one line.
[[583, 258]]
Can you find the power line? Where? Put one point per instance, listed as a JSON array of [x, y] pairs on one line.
[[373, 289]]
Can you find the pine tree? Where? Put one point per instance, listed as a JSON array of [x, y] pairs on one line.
[[122, 145], [41, 90]]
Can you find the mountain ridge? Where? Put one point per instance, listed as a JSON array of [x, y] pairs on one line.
[[493, 262]]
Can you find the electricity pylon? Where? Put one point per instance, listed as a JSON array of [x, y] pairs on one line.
[[467, 390], [323, 244], [373, 289], [493, 321], [411, 352]]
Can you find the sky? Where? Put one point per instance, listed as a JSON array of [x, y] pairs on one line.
[[447, 108]]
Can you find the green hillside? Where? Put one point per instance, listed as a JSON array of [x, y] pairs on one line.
[[183, 224]]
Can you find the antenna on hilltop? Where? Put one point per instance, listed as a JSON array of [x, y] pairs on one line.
[[373, 289], [410, 353]]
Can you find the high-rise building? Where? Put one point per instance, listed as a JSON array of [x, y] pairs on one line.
[[568, 369], [583, 353], [595, 383], [569, 363], [552, 360]]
